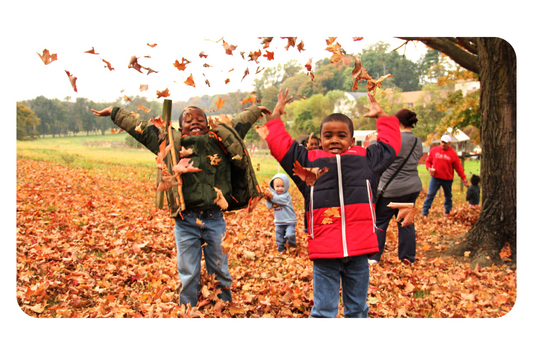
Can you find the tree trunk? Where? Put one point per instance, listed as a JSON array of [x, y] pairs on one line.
[[497, 221]]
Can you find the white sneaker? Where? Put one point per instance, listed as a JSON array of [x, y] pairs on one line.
[[372, 262]]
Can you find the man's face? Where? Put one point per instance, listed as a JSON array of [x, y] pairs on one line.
[[279, 186], [335, 137], [194, 123], [444, 145]]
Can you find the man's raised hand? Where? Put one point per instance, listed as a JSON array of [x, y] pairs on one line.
[[104, 112]]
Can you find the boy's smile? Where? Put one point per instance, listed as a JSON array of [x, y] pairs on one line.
[[194, 123], [336, 137]]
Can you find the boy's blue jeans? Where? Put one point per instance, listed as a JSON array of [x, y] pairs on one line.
[[434, 186], [327, 277], [285, 233], [189, 240]]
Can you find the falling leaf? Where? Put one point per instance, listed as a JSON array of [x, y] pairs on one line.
[[372, 85], [302, 97], [203, 55], [308, 64], [157, 121], [107, 65], [185, 152], [150, 70], [269, 55], [332, 212], [214, 159], [190, 81], [167, 181], [358, 73], [357, 38], [330, 40], [207, 83], [46, 57], [219, 103], [126, 98], [91, 51], [228, 47], [115, 131], [185, 165], [246, 72], [254, 55], [151, 45], [138, 128], [300, 46], [220, 200], [291, 42], [387, 92], [226, 81], [266, 41], [72, 80], [309, 175], [145, 109], [199, 222], [252, 203], [163, 93], [182, 65], [135, 114], [327, 220], [258, 167], [262, 131], [250, 99], [134, 64]]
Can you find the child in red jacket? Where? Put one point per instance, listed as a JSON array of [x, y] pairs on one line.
[[338, 184]]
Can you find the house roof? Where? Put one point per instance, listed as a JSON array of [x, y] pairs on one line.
[[459, 136], [361, 135]]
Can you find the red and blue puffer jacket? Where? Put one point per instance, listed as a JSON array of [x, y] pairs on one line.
[[340, 206]]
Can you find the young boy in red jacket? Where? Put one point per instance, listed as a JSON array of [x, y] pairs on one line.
[[340, 203], [441, 163]]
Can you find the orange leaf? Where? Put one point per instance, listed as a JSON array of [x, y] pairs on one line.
[[220, 200], [91, 51], [199, 222], [203, 55], [133, 64], [126, 98], [219, 103], [163, 93], [214, 159], [308, 64], [151, 45], [181, 66], [327, 220], [72, 80], [309, 175], [300, 46], [269, 55], [190, 81], [246, 72], [357, 38], [228, 47], [266, 41], [333, 212], [291, 41], [157, 121], [226, 81], [254, 55], [262, 131], [330, 40], [138, 128], [145, 109], [107, 65], [47, 58], [250, 99]]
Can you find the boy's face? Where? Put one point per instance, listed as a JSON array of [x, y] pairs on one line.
[[313, 144], [336, 137], [194, 123], [279, 186]]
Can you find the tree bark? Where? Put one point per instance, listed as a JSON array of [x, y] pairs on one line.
[[497, 222], [495, 61]]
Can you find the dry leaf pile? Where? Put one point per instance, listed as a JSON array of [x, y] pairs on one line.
[[90, 244]]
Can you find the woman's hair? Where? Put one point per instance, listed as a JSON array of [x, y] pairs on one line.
[[338, 117], [187, 109], [406, 117]]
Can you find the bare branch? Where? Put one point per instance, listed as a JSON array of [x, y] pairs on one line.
[[450, 47]]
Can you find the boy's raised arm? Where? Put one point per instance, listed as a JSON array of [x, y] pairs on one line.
[[279, 109]]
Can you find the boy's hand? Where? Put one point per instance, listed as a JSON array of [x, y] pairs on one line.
[[280, 105], [375, 110], [104, 112]]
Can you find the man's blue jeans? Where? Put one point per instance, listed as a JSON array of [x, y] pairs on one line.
[[327, 277], [285, 234], [190, 236], [434, 186]]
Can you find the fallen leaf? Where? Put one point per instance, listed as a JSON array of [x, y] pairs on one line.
[[185, 165], [199, 222], [185, 152], [330, 40], [250, 99], [220, 200], [126, 98], [134, 64], [214, 159], [372, 85], [406, 211], [253, 56]]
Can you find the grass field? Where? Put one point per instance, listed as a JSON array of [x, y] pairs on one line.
[[99, 151]]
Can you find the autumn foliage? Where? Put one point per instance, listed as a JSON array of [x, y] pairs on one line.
[[91, 244]]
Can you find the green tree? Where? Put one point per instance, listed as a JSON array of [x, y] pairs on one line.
[[26, 123]]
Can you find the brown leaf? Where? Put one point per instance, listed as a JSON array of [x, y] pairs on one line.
[[266, 41], [300, 46], [190, 81], [145, 109], [291, 42], [309, 175], [220, 200], [214, 159], [262, 131], [91, 51], [269, 55], [182, 65], [134, 64], [406, 211], [203, 55], [107, 65], [228, 47], [163, 93]]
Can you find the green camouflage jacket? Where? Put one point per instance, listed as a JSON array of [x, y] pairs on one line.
[[221, 154]]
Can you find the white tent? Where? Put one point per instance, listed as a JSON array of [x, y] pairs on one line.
[[360, 136], [458, 137]]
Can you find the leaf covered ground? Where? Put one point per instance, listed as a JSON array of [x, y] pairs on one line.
[[91, 244]]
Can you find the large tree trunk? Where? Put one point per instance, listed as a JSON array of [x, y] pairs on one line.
[[497, 222]]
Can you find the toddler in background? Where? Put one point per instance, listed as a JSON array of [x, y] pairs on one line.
[[473, 192], [284, 215]]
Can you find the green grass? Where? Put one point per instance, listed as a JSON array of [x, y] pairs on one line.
[[76, 151]]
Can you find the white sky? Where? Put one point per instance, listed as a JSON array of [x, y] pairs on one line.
[[97, 82], [120, 29]]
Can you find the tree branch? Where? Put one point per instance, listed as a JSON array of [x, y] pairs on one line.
[[448, 46]]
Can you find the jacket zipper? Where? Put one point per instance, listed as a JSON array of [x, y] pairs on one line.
[[372, 211], [311, 214], [341, 200]]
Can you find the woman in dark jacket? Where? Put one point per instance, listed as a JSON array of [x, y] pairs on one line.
[[404, 188]]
